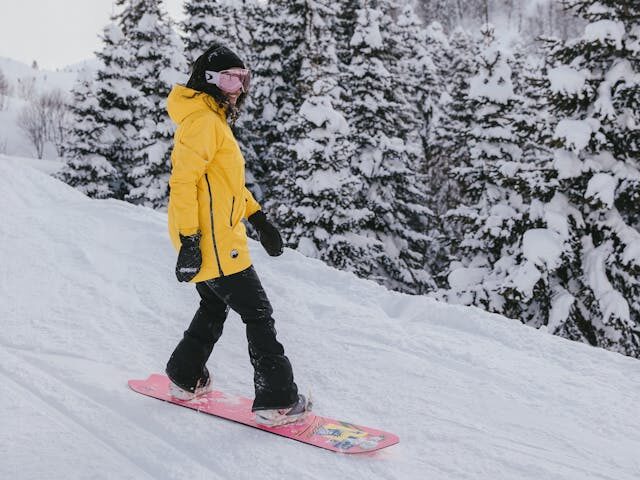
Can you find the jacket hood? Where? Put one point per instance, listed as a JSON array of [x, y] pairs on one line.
[[184, 101]]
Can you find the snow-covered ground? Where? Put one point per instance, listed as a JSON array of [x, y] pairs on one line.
[[88, 300]]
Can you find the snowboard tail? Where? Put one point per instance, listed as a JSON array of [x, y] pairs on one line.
[[323, 432]]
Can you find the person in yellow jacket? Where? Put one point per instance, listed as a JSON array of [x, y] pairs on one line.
[[207, 202]]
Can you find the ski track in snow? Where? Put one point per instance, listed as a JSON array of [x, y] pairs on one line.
[[88, 300], [97, 419]]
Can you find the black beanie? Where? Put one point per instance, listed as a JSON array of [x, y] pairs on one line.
[[218, 57]]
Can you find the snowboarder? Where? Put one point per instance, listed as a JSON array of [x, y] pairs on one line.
[[207, 201]]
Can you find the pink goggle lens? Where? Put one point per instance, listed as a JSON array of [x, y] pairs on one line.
[[230, 81]]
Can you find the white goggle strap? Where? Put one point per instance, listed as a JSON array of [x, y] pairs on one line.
[[211, 77]]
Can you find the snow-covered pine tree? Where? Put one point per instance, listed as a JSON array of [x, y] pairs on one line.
[[345, 24], [424, 52], [496, 267], [437, 63], [157, 65], [533, 120], [530, 80], [389, 153], [85, 168], [129, 111], [411, 50], [448, 134], [524, 276], [207, 22], [447, 140], [244, 15], [415, 48], [594, 92], [117, 99], [278, 52], [316, 205]]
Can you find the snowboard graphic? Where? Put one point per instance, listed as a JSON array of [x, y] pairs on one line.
[[321, 432]]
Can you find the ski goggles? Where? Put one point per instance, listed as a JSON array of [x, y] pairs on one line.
[[230, 81]]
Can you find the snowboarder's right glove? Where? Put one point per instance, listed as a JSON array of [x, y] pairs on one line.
[[189, 258], [269, 236]]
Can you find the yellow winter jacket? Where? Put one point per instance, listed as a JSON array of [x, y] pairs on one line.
[[207, 190]]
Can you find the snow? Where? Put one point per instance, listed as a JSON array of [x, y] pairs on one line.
[[47, 166], [602, 186], [605, 31], [629, 236], [89, 300], [543, 247], [463, 277], [496, 87], [113, 33], [307, 247], [436, 32], [621, 72], [322, 113], [612, 303], [13, 141], [633, 42], [556, 215], [598, 9], [525, 278], [566, 80], [606, 161], [560, 309], [576, 133], [368, 34], [148, 22], [63, 79], [322, 180], [567, 163]]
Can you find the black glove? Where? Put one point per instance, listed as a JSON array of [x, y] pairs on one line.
[[269, 236], [189, 258]]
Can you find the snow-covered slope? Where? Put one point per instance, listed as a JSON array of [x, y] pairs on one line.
[[63, 79], [13, 141], [88, 300]]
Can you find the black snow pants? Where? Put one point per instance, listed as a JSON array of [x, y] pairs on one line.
[[242, 292]]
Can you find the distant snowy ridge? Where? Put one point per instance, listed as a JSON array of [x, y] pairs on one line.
[[17, 71], [88, 300]]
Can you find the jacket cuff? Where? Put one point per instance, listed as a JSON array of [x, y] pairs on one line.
[[187, 232]]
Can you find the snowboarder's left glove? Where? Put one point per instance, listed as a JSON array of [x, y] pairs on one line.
[[189, 258], [269, 236]]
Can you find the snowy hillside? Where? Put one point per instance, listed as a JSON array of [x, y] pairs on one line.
[[63, 79], [88, 300], [22, 78]]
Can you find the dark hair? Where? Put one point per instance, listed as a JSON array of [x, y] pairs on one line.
[[217, 57]]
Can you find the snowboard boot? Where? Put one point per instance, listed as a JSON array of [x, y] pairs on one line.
[[283, 416], [202, 387]]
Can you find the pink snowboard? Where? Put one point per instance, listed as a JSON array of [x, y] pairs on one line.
[[319, 431]]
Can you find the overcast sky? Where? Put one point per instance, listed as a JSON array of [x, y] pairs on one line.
[[57, 33]]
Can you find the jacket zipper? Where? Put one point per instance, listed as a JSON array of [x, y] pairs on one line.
[[213, 235], [233, 201]]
